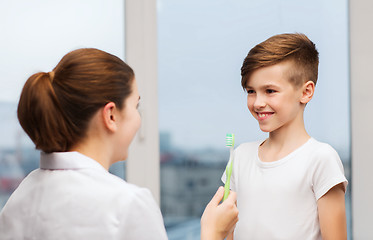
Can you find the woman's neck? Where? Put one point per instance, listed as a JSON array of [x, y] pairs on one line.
[[96, 151]]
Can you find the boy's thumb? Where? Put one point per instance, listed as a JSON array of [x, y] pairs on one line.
[[216, 199]]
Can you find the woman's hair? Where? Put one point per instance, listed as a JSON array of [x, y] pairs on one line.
[[55, 108], [284, 47]]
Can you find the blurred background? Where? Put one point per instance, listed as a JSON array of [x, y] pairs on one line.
[[200, 45]]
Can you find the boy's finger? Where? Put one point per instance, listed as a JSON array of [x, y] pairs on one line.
[[216, 199]]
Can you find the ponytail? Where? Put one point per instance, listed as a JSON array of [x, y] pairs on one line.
[[40, 115]]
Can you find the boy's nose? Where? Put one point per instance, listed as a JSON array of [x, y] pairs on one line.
[[259, 102]]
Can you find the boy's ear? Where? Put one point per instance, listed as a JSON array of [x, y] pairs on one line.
[[108, 117], [308, 90]]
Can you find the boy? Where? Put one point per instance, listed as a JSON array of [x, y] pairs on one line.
[[289, 186]]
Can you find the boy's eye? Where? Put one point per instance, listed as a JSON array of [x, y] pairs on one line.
[[270, 91], [250, 91]]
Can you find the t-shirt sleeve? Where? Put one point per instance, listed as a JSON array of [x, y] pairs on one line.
[[328, 171], [143, 219]]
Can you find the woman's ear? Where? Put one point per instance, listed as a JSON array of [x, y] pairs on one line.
[[308, 90], [108, 117]]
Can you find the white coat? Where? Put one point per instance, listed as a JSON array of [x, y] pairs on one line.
[[72, 196]]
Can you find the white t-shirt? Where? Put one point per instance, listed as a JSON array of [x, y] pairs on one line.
[[278, 200], [72, 197]]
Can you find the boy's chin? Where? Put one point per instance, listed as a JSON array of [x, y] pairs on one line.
[[264, 129]]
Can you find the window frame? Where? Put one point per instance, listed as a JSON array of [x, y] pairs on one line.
[[143, 164], [361, 127]]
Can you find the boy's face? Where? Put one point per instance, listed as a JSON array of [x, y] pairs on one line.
[[272, 99]]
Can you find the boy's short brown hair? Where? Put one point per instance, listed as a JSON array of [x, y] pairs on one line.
[[284, 47]]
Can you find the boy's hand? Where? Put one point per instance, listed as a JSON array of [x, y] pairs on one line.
[[218, 220]]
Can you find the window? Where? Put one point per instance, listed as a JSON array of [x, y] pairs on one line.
[[201, 48], [35, 36]]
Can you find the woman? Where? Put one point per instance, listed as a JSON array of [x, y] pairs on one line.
[[83, 116]]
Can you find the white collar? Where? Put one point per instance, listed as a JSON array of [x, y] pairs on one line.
[[67, 160]]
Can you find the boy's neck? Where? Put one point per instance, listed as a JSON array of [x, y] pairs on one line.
[[283, 142], [292, 133], [289, 134]]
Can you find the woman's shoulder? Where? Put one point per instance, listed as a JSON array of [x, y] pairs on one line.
[[119, 186]]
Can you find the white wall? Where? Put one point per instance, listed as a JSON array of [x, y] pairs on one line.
[[361, 65]]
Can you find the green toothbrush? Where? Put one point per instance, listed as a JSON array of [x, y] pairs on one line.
[[229, 142]]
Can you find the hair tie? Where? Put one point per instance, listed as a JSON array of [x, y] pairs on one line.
[[51, 75]]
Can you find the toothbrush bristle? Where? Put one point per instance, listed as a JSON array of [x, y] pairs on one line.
[[229, 140]]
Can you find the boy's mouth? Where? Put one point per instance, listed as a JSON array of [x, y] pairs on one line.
[[263, 115]]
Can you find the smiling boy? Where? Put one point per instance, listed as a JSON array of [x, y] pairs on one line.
[[289, 186]]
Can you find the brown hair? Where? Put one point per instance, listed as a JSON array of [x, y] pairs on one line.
[[55, 108], [284, 47]]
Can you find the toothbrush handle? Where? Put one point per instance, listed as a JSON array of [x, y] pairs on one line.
[[228, 173]]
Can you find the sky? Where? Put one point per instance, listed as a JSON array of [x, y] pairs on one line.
[[36, 34], [201, 46]]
